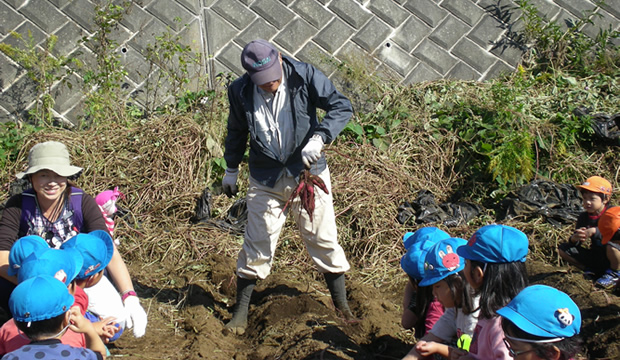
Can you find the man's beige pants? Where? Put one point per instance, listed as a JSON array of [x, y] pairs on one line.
[[265, 223]]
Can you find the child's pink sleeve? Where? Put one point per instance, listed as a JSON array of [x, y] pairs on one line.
[[434, 312]]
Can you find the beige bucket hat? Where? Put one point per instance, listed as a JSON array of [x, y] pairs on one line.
[[50, 155]]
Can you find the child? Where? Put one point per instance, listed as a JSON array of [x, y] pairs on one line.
[[495, 269], [97, 248], [609, 224], [59, 264], [442, 272], [545, 330], [596, 193], [420, 309], [41, 308]]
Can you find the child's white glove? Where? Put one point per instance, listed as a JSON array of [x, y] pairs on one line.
[[137, 317]]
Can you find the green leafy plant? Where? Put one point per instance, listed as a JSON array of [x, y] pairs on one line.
[[43, 69], [103, 84], [11, 140]]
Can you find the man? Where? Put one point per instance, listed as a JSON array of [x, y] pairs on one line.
[[275, 103]]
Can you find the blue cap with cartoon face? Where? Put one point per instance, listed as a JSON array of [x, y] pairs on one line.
[[442, 261], [96, 248], [543, 311], [496, 244]]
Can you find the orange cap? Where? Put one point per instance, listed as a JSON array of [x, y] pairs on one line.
[[609, 223], [596, 184]]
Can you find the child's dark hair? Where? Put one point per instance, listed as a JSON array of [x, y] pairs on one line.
[[568, 347], [42, 328], [461, 292], [423, 297], [603, 196], [502, 282]]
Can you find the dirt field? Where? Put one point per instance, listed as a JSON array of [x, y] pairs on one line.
[[292, 316]]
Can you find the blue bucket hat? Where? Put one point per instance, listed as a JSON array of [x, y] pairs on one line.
[[96, 248], [556, 317], [39, 298], [425, 233], [21, 249], [442, 260], [63, 265], [496, 244]]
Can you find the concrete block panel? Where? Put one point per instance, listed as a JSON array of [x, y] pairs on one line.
[[356, 56], [487, 32], [311, 11], [421, 73], [136, 66], [9, 19], [465, 10], [449, 32], [65, 97], [9, 71], [462, 71], [76, 114], [435, 56], [576, 7], [388, 11], [546, 8], [409, 35], [294, 35], [234, 12], [230, 57], [498, 69], [169, 12], [82, 12], [191, 5], [274, 12], [334, 35], [509, 52], [287, 2], [17, 98], [25, 30], [351, 12], [190, 35], [259, 29], [371, 35], [68, 37], [604, 21], [148, 34], [44, 14], [313, 54], [613, 7], [473, 55], [60, 3], [396, 58], [16, 3], [426, 10], [136, 18], [219, 32], [85, 57]]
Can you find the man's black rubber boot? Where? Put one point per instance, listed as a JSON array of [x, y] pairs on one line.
[[239, 321], [335, 283]]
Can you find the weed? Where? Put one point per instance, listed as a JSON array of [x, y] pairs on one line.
[[43, 69], [105, 81]]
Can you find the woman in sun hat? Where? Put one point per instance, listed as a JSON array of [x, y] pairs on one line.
[[56, 210], [541, 322]]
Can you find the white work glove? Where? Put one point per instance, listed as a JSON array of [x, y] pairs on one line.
[[137, 317], [229, 182], [312, 151]]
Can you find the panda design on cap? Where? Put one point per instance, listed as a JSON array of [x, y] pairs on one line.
[[450, 260], [564, 317]]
